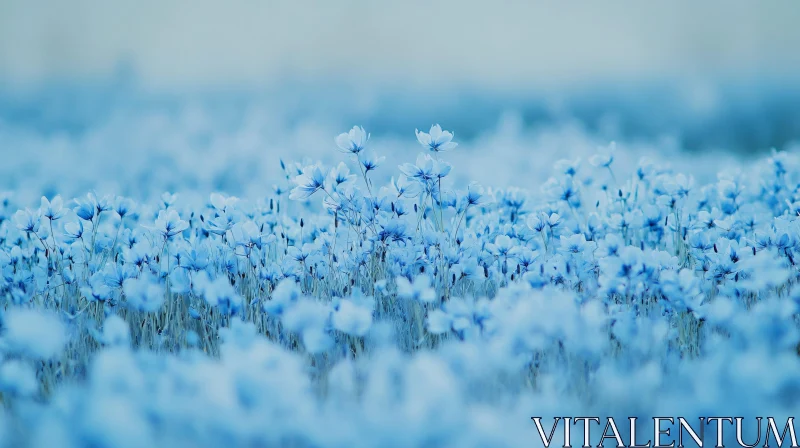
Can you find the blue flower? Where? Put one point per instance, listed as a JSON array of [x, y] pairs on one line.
[[504, 246], [437, 140], [308, 183], [394, 230], [86, 209], [247, 234], [196, 259], [222, 203], [474, 195], [285, 295], [144, 294], [537, 222], [404, 188], [351, 318], [74, 230], [169, 224], [27, 221], [576, 244], [220, 225], [115, 274], [610, 245], [220, 294], [605, 157], [353, 141], [124, 207], [340, 176], [568, 167], [97, 290], [371, 162], [469, 269], [420, 290], [52, 210], [426, 170]]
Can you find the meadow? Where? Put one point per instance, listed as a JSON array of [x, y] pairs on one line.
[[352, 290]]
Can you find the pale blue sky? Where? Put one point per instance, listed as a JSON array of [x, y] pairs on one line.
[[499, 43]]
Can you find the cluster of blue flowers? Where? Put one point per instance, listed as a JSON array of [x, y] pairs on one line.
[[337, 311]]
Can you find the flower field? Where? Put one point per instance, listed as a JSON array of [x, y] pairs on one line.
[[378, 295]]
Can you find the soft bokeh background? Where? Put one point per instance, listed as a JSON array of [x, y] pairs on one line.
[[203, 95], [502, 44]]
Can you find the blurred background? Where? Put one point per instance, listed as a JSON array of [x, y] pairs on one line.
[[202, 95]]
